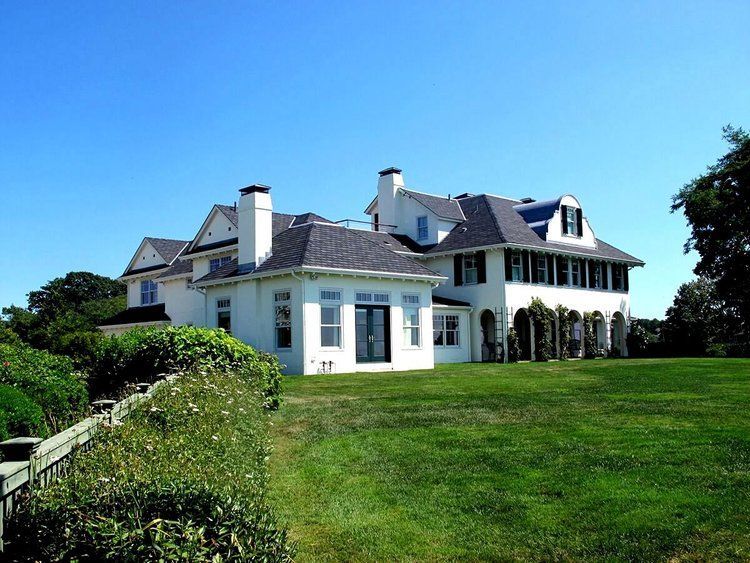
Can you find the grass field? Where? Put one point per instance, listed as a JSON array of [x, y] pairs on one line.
[[618, 459]]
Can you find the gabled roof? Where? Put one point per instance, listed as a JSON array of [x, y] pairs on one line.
[[328, 246], [145, 314], [493, 220], [443, 207], [168, 249]]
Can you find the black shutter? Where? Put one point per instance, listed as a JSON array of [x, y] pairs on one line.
[[562, 278], [584, 273], [550, 269], [525, 265], [579, 222], [605, 275], [508, 264], [481, 267], [534, 270], [592, 281], [625, 277], [564, 218], [458, 269]]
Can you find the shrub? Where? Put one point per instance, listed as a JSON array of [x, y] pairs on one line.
[[19, 415], [542, 317], [49, 380], [142, 354], [514, 348], [184, 479]]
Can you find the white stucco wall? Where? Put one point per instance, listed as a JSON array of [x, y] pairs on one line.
[[217, 228], [146, 257], [462, 352], [183, 305], [134, 290]]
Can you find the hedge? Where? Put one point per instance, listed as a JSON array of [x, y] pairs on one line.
[[47, 379], [143, 353], [19, 415], [184, 479]]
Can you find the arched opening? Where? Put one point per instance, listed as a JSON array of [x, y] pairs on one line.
[[576, 334], [489, 346], [522, 326], [618, 336], [600, 333]]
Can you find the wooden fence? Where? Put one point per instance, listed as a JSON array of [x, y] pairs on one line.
[[32, 462]]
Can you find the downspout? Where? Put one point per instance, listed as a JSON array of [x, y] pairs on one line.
[[304, 332]]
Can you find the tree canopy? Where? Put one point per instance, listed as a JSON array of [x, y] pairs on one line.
[[717, 208]]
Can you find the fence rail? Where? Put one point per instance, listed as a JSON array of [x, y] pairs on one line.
[[32, 462]]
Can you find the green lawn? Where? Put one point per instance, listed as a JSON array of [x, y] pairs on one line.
[[616, 459]]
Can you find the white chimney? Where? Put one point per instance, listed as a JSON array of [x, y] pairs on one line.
[[255, 226], [388, 184]]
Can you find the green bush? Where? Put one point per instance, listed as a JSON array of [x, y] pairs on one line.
[[184, 479], [19, 415], [142, 354], [49, 380], [589, 337], [564, 328], [541, 316]]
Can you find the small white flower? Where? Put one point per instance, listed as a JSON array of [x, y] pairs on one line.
[[226, 413], [215, 438]]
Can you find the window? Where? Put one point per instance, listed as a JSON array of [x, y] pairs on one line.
[[283, 319], [575, 270], [217, 263], [410, 299], [376, 221], [411, 327], [563, 275], [516, 266], [149, 292], [597, 275], [470, 268], [224, 314], [618, 280], [372, 297], [422, 231], [445, 331], [541, 268], [330, 318], [570, 219]]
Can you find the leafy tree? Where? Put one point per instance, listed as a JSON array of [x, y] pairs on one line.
[[717, 208], [697, 319], [71, 292]]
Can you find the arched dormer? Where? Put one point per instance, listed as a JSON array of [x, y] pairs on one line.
[[558, 220]]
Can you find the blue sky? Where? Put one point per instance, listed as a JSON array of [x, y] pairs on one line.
[[119, 120]]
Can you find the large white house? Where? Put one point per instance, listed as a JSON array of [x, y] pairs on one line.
[[435, 279]]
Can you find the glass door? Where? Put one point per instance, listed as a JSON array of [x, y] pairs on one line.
[[373, 333]]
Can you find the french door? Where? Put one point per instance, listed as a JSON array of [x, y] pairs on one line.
[[373, 333]]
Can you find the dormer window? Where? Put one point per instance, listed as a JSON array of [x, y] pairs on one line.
[[422, 230], [149, 293], [217, 263], [572, 220]]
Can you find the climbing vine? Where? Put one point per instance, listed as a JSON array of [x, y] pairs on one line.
[[514, 350], [564, 326], [589, 336], [541, 316]]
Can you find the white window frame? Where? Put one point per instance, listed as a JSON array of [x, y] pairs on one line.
[[565, 271], [475, 268], [216, 263], [423, 230], [370, 297], [222, 307], [516, 268], [440, 325], [618, 282], [284, 301], [412, 328], [330, 298], [575, 271], [542, 259], [572, 225], [598, 275], [151, 295]]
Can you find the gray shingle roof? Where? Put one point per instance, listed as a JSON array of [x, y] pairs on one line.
[[167, 248], [317, 245], [145, 314], [396, 243], [493, 220], [437, 300], [178, 268], [439, 205], [281, 221]]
